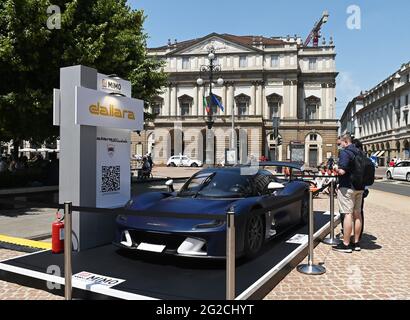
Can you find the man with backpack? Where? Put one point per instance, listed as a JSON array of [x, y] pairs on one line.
[[355, 173]]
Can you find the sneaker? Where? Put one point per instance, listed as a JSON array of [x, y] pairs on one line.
[[356, 246], [341, 247]]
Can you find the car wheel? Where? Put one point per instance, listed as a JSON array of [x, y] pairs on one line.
[[254, 235], [388, 174], [194, 164], [408, 177], [172, 164], [304, 216]]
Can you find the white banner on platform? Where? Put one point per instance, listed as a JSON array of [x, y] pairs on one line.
[[96, 108], [113, 167]]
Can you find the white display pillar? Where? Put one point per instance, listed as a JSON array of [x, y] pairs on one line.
[[95, 118]]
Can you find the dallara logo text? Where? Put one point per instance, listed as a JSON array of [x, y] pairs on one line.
[[111, 111]]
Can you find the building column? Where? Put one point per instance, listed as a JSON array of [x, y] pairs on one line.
[[166, 106], [263, 102], [323, 107], [173, 100], [253, 107], [293, 99], [195, 104], [286, 99], [230, 98], [332, 102]]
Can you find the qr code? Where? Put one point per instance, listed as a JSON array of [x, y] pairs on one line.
[[110, 178]]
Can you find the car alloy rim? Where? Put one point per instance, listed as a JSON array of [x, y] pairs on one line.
[[255, 232]]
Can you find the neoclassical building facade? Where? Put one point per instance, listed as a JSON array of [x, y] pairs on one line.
[[263, 78], [383, 123]]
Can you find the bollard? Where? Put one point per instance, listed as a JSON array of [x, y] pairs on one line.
[[67, 251], [230, 255], [332, 240], [311, 268]]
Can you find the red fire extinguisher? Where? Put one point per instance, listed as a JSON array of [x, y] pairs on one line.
[[57, 234]]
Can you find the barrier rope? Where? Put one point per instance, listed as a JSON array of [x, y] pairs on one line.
[[281, 201]]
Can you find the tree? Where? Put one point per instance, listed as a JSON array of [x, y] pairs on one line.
[[104, 34]]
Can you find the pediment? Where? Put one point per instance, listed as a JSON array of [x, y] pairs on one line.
[[221, 46]]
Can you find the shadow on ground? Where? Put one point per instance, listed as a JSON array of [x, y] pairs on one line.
[[368, 242]]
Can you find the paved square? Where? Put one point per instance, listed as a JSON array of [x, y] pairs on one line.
[[380, 271]]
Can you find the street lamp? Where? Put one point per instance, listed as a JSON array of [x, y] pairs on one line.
[[210, 70]]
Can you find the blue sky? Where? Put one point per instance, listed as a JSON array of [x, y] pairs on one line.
[[365, 56]]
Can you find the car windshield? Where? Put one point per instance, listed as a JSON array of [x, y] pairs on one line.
[[217, 185]]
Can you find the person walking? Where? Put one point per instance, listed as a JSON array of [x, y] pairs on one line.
[[350, 199]]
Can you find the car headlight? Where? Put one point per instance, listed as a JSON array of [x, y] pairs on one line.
[[207, 225]]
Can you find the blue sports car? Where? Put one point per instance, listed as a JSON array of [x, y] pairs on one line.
[[265, 206]]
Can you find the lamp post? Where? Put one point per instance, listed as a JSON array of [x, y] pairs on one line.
[[210, 69]]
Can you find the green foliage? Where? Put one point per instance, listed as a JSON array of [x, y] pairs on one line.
[[103, 34]]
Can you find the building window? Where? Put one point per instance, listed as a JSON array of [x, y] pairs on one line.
[[274, 61], [186, 63], [242, 103], [406, 118], [312, 63], [242, 108], [407, 100], [399, 102], [243, 62], [313, 137], [311, 112], [408, 78], [185, 103], [156, 108], [274, 110], [185, 108]]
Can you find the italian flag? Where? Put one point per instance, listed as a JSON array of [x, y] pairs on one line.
[[208, 110]]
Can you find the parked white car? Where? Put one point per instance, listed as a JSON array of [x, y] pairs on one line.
[[183, 161], [400, 171]]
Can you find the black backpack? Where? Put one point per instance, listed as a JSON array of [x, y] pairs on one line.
[[362, 171]]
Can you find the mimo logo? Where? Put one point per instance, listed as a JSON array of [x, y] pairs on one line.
[[111, 111], [111, 84]]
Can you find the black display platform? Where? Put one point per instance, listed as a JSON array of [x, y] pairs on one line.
[[150, 276]]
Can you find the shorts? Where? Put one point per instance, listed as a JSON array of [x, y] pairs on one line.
[[350, 200]]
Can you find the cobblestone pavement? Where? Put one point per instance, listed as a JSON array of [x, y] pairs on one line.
[[380, 271], [11, 291]]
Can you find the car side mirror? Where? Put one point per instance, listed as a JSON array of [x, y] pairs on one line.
[[170, 184], [272, 186]]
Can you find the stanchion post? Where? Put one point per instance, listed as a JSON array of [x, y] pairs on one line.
[[67, 251], [332, 240], [230, 255], [310, 267]]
